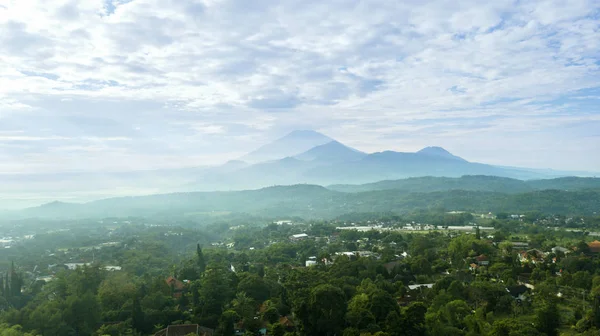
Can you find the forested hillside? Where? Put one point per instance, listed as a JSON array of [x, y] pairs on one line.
[[317, 202]]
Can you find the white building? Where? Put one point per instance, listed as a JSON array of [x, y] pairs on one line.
[[300, 236]]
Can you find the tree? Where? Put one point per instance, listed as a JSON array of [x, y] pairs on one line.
[[15, 330], [513, 327], [583, 247], [381, 304], [414, 319], [200, 259], [255, 287], [276, 329], [215, 291], [547, 318], [226, 322], [137, 316], [244, 305], [115, 290], [325, 311]]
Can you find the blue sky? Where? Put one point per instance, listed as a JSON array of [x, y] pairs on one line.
[[109, 85]]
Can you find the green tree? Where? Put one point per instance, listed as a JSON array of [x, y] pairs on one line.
[[200, 259], [325, 311], [255, 287], [276, 329], [513, 327], [83, 313], [547, 318], [115, 290]]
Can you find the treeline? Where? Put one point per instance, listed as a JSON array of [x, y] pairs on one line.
[[317, 202]]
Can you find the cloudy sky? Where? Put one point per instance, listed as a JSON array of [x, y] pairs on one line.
[[119, 85]]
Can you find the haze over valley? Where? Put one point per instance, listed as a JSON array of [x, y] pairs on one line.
[[301, 157]]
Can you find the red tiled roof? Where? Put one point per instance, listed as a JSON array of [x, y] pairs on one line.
[[178, 285], [594, 246], [285, 322]]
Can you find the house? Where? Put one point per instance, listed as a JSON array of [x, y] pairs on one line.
[[594, 246], [519, 292], [297, 237], [177, 287], [74, 266], [287, 323], [413, 287], [185, 330], [482, 260], [563, 250], [113, 268], [520, 245], [312, 261]]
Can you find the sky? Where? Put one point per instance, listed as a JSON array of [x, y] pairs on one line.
[[117, 85]]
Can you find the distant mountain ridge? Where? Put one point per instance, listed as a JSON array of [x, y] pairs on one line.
[[439, 152], [333, 151], [300, 157], [292, 144], [474, 183], [312, 201]]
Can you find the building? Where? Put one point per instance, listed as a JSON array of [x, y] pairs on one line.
[[300, 236], [482, 260], [594, 246], [519, 292], [185, 330], [113, 268], [413, 287], [560, 249], [284, 222], [520, 245], [312, 261], [177, 287]]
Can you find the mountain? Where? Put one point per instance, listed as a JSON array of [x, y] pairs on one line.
[[312, 201], [301, 157], [292, 144], [390, 165], [335, 163], [439, 152], [474, 183], [434, 184], [331, 152]]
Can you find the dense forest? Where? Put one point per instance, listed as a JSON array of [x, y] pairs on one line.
[[255, 278]]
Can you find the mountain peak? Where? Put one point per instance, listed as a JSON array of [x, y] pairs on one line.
[[433, 150], [292, 144], [439, 152], [331, 151]]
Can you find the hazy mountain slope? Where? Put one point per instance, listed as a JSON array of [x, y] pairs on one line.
[[299, 157], [396, 165], [439, 152], [432, 184], [311, 201], [566, 183], [292, 144], [474, 183], [331, 152]]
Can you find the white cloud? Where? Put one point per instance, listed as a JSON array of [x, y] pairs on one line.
[[199, 78]]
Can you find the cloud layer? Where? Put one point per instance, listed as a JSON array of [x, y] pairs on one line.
[[118, 85]]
